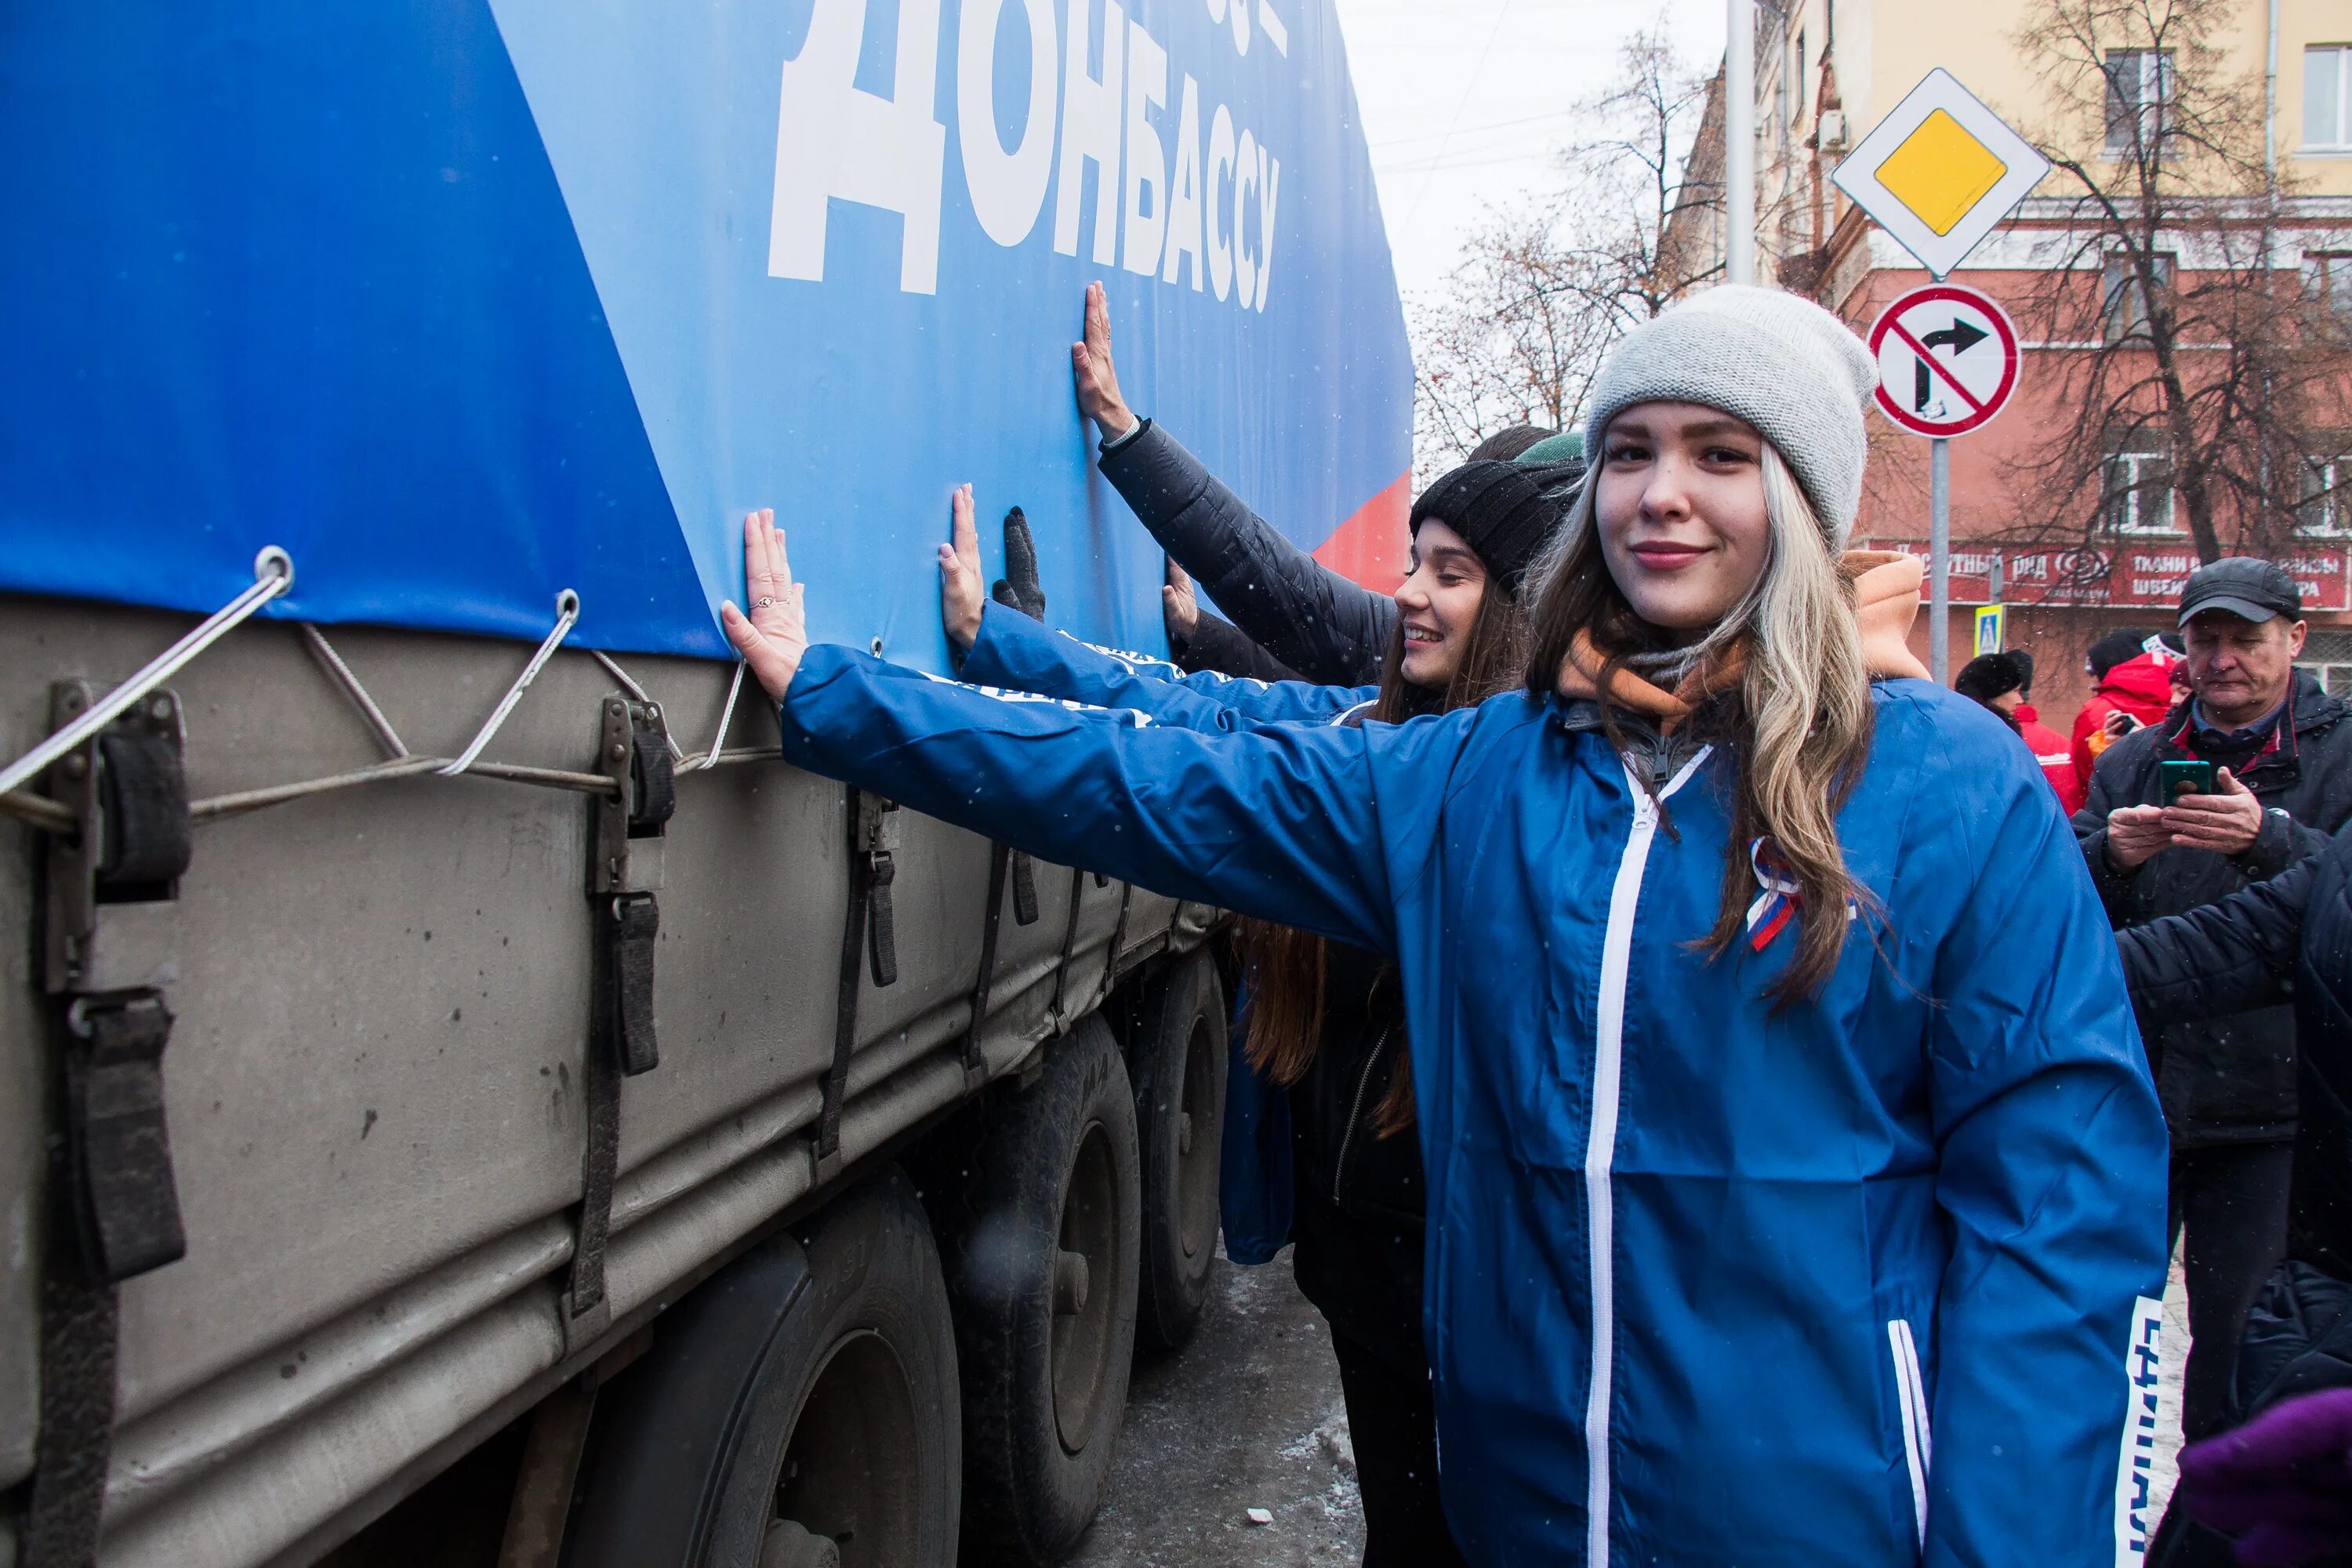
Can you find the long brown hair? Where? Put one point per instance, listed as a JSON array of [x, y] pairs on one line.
[[1289, 971], [1799, 721]]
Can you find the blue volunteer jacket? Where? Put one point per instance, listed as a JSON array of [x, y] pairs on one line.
[[1018, 654], [1866, 1280]]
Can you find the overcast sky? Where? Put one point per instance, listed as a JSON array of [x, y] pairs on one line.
[[1463, 100]]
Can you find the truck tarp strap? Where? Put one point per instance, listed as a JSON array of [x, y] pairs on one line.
[[1024, 889], [115, 1214], [653, 779], [1069, 944], [882, 925], [143, 797], [625, 869], [78, 1335], [628, 925], [1117, 936], [975, 1065], [866, 927], [587, 1312], [118, 1151]]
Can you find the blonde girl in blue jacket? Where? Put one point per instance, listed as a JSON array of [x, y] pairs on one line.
[[1795, 1180]]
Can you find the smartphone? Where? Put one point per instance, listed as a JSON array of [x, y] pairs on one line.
[[2186, 778]]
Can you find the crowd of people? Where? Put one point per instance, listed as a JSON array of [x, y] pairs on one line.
[[2206, 765], [1722, 1111]]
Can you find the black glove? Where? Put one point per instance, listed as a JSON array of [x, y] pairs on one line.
[[1018, 589]]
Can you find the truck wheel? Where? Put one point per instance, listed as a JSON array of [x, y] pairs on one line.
[[799, 1410], [1177, 1058], [1043, 1273]]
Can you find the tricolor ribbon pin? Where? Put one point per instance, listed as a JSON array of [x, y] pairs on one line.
[[1773, 907]]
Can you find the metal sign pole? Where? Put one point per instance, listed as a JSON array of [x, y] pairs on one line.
[[1740, 142], [1939, 560]]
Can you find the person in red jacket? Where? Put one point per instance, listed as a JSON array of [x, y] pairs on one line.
[[2050, 748], [2133, 686], [2002, 682]]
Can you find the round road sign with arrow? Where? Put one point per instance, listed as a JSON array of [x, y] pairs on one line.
[[1946, 360]]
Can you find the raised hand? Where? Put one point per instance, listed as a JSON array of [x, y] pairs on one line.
[[1178, 603], [961, 595], [1018, 589], [773, 638], [1098, 397]]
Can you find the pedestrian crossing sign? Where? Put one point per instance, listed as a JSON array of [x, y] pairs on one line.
[[1941, 172], [1992, 624]]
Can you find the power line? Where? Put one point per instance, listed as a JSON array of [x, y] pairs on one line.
[[1474, 130], [1468, 88]]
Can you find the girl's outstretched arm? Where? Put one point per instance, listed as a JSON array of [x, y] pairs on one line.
[[1282, 822], [1004, 647], [1016, 652]]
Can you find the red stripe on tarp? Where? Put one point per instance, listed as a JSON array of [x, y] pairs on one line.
[[1375, 547]]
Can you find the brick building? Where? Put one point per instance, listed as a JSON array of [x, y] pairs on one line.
[[2089, 525]]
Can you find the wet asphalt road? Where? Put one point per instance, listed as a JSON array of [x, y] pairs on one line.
[[1247, 1416]]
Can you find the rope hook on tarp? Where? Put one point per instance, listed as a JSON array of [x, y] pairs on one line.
[[273, 573], [567, 611]]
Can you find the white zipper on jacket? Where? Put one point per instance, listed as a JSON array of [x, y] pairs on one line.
[[1601, 1147], [1911, 1397]]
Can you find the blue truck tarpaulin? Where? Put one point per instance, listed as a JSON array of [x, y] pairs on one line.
[[465, 302]]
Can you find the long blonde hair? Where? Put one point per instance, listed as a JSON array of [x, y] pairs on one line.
[[1800, 722]]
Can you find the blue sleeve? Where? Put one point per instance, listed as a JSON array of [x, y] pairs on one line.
[[2051, 1177], [1280, 822], [1016, 652]]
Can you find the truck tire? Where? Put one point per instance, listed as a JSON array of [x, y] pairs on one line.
[[1042, 1272], [1176, 1055], [798, 1409]]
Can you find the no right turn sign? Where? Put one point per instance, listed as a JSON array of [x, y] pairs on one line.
[[1946, 360]]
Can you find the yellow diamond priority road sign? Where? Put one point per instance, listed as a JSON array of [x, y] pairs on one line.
[[1941, 172]]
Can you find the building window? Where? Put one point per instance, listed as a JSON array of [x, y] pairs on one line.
[[2328, 98], [2328, 656], [2326, 507], [2331, 281], [2123, 301], [2138, 487], [2140, 93], [1801, 73]]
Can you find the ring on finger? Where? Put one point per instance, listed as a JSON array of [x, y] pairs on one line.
[[763, 603]]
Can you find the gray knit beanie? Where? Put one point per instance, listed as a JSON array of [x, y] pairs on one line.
[[1781, 362]]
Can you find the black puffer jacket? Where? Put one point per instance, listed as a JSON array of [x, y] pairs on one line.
[[1220, 647], [2290, 936], [2232, 1079], [1328, 629], [1359, 1209]]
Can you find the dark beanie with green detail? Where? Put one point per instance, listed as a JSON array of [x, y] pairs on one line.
[[1502, 510]]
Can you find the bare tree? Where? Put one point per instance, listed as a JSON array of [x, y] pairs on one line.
[[2205, 363], [1544, 288]]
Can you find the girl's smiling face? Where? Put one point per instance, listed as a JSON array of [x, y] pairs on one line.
[[1438, 605], [1680, 504]]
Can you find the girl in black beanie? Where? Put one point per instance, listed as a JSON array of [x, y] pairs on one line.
[[1325, 1020]]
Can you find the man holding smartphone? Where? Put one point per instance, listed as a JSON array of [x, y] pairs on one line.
[[2249, 775]]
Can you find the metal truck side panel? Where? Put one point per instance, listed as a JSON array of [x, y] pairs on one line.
[[373, 1083]]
